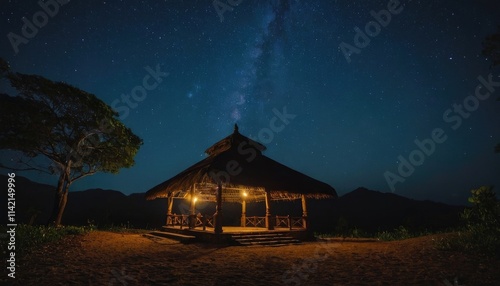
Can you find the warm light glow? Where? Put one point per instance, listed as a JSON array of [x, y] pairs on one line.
[[195, 199], [245, 194]]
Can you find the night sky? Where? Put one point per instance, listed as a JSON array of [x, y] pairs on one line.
[[279, 71]]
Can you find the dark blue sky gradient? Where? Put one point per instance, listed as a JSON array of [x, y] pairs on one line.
[[352, 120]]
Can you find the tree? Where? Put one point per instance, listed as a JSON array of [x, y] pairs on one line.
[[481, 233], [485, 209], [482, 229], [62, 130], [491, 50]]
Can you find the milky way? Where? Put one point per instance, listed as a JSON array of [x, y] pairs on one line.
[[260, 75], [353, 121]]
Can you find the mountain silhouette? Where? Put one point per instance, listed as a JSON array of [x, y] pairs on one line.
[[374, 211], [364, 209]]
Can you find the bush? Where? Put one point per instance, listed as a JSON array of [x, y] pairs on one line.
[[481, 233], [120, 228], [399, 233], [472, 241], [29, 237]]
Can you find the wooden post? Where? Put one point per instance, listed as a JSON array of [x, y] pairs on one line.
[[170, 201], [243, 213], [269, 221], [192, 209], [304, 211], [218, 210]]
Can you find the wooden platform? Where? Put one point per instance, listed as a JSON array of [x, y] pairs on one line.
[[236, 229], [235, 234]]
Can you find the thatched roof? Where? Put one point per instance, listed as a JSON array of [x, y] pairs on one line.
[[237, 162]]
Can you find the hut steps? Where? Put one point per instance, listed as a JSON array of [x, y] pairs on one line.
[[271, 239], [175, 236]]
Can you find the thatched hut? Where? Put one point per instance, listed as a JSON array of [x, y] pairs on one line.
[[236, 171]]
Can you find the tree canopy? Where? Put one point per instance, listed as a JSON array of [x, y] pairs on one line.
[[491, 48], [74, 131]]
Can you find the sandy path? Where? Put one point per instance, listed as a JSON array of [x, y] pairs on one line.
[[105, 258]]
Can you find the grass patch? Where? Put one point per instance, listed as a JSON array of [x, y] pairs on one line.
[[481, 233], [29, 237], [120, 228], [399, 233], [346, 233], [476, 240]]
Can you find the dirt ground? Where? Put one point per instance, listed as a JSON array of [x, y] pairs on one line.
[[106, 258]]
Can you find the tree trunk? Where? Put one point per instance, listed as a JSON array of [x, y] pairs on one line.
[[57, 199], [60, 201], [61, 197], [61, 206]]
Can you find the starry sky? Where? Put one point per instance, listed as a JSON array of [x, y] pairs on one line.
[[346, 116]]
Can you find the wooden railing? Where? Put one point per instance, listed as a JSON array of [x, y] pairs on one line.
[[297, 222], [255, 221], [204, 221], [184, 220], [289, 222], [178, 220], [280, 221]]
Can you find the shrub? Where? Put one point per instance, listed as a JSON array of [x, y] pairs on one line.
[[481, 233], [29, 237], [397, 234]]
